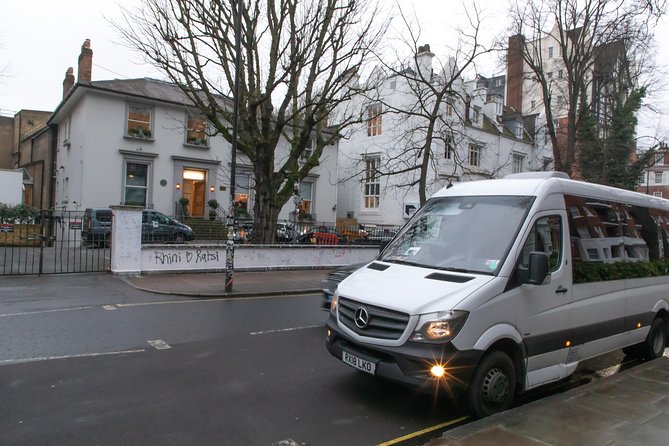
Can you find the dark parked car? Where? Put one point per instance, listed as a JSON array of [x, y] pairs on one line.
[[334, 277], [96, 227], [380, 235], [156, 227]]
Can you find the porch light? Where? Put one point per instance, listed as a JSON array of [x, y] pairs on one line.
[[212, 188], [178, 185]]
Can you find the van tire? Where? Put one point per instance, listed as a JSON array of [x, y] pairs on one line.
[[493, 385], [656, 341]]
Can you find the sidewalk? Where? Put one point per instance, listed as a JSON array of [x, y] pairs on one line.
[[210, 285], [627, 408]]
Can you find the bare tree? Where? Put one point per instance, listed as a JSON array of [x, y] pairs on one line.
[[297, 58], [560, 42]]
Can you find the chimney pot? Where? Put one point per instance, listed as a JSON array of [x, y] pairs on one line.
[[85, 63], [68, 82]]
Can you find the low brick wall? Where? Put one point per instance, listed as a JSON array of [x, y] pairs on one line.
[[191, 257]]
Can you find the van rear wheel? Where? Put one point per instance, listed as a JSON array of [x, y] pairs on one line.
[[493, 385]]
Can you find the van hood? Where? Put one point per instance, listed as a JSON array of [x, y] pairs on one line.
[[410, 289]]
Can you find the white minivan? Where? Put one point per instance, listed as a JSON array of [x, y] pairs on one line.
[[496, 287]]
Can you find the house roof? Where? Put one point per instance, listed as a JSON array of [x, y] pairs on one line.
[[144, 88]]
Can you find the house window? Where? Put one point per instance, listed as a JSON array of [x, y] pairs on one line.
[[519, 130], [474, 155], [476, 113], [308, 150], [243, 189], [642, 178], [561, 74], [393, 84], [549, 75], [196, 130], [657, 194], [449, 149], [449, 107], [139, 121], [136, 184], [550, 52], [374, 120], [659, 159], [372, 183], [517, 163], [533, 104], [307, 196], [658, 177]]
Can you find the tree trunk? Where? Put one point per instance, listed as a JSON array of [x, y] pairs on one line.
[[266, 206]]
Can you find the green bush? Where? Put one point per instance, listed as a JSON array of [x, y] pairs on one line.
[[16, 214], [585, 272]]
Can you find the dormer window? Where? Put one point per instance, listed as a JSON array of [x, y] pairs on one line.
[[196, 130], [374, 127], [476, 114], [519, 130], [139, 121]]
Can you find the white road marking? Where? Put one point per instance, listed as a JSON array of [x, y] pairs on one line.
[[198, 301], [109, 307], [48, 311], [282, 330], [159, 344], [82, 355]]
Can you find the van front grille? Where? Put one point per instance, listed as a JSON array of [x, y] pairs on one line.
[[372, 321]]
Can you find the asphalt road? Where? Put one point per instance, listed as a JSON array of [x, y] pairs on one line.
[[77, 369], [87, 360]]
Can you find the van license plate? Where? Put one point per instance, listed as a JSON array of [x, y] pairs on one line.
[[359, 363]]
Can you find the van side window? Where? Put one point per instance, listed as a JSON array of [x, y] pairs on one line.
[[545, 236], [607, 236]]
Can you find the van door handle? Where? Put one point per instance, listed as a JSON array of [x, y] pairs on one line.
[[560, 290]]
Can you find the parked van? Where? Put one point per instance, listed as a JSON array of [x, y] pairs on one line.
[[156, 227], [500, 286]]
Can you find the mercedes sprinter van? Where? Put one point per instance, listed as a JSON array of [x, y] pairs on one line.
[[499, 286]]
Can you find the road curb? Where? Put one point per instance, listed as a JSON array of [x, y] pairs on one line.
[[223, 294]]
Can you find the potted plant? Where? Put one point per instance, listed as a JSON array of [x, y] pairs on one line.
[[213, 205]]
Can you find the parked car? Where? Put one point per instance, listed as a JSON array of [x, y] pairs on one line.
[[156, 227], [96, 227], [321, 235], [379, 235], [334, 277], [285, 233]]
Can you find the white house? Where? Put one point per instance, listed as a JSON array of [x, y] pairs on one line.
[[476, 138], [138, 142]]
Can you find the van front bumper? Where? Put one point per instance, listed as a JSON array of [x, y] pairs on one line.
[[410, 363]]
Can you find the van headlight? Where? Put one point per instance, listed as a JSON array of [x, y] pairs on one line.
[[333, 304], [441, 327]]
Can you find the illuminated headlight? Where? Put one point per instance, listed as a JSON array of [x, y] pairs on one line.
[[333, 304], [443, 328]]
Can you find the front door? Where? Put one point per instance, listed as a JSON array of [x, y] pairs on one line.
[[194, 190]]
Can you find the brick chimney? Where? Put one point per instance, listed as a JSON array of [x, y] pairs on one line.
[[68, 82], [514, 72], [85, 63]]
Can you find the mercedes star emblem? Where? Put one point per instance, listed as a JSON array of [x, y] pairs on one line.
[[361, 317]]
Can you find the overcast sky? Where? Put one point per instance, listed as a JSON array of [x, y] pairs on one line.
[[40, 39]]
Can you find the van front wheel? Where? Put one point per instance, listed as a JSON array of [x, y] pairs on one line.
[[654, 345], [493, 385]]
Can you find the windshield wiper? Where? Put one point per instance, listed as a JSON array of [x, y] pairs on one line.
[[463, 270]]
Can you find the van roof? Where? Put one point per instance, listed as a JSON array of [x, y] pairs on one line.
[[544, 183]]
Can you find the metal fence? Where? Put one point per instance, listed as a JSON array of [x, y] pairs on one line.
[[50, 244]]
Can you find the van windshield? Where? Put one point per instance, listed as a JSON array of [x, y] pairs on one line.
[[463, 234]]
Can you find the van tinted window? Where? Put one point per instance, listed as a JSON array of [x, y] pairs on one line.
[[607, 234]]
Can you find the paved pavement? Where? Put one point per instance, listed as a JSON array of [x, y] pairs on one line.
[[626, 408]]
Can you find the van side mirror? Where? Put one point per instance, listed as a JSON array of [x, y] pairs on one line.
[[538, 268]]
